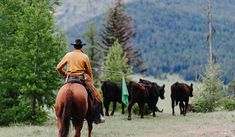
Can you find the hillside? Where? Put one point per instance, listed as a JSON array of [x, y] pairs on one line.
[[171, 33]]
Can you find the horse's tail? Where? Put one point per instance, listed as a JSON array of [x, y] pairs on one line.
[[67, 113]]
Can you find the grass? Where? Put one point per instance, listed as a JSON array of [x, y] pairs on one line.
[[216, 124]]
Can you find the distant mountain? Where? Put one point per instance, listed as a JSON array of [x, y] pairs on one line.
[[171, 33]]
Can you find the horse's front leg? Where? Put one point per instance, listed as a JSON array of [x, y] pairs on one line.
[[89, 128], [114, 107]]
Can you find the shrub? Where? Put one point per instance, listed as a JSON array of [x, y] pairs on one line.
[[205, 103], [212, 86], [228, 103], [22, 114]]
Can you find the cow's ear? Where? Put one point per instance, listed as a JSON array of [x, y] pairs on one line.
[[191, 85], [163, 86]]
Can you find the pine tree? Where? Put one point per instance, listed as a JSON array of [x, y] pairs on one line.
[[116, 64], [93, 50], [118, 26], [31, 47]]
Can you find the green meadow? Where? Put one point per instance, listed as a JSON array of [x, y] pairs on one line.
[[215, 124]]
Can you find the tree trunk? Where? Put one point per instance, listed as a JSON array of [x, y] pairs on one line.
[[33, 104]]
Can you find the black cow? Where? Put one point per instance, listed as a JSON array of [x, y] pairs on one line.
[[112, 92], [141, 94], [180, 92], [144, 81], [149, 83]]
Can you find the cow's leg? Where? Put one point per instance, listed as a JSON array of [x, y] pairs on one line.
[[129, 109], [123, 107], [185, 107], [114, 107], [173, 106], [154, 109], [181, 106], [106, 106], [141, 107]]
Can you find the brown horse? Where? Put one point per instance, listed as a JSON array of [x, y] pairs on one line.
[[73, 103]]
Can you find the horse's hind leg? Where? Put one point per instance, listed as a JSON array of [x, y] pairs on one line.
[[78, 126], [58, 112], [59, 122]]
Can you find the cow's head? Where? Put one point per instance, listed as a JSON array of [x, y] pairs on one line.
[[191, 90], [160, 90]]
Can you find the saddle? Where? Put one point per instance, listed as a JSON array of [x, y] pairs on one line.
[[81, 80]]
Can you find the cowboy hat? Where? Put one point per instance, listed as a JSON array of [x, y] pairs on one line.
[[78, 42]]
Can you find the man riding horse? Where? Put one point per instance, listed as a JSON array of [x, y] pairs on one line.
[[78, 69]]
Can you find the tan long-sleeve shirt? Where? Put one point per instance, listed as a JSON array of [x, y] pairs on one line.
[[77, 63]]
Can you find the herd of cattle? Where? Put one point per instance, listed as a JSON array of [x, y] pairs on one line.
[[145, 92]]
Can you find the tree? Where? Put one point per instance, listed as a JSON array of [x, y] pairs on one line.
[[118, 26], [94, 51], [212, 84], [31, 47], [116, 64]]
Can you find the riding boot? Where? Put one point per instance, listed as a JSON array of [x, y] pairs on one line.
[[98, 116]]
